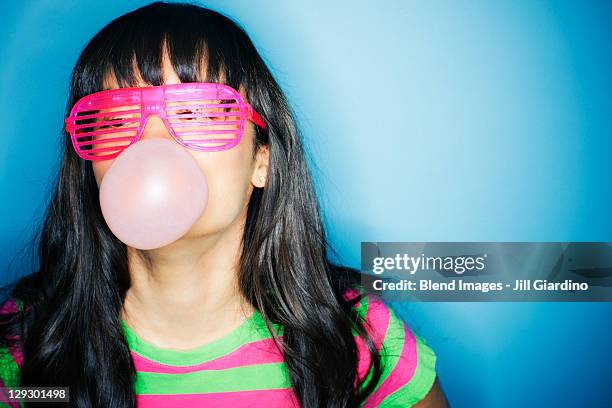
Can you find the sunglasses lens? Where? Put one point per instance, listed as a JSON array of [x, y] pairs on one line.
[[205, 120], [101, 129]]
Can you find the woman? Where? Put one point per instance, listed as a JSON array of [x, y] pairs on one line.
[[243, 309]]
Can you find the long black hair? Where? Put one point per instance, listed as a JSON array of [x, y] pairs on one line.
[[71, 331]]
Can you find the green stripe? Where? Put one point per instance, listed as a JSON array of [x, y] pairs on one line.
[[20, 304], [392, 346], [252, 377], [253, 329], [362, 310], [10, 373], [9, 370], [421, 382], [3, 405], [363, 304]]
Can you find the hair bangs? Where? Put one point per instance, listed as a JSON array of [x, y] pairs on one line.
[[139, 41]]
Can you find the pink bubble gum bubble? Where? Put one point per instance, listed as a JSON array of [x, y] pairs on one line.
[[153, 193]]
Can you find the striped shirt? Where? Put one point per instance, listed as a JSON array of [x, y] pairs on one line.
[[244, 368]]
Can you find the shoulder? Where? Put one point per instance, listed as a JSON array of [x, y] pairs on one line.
[[408, 371], [11, 357]]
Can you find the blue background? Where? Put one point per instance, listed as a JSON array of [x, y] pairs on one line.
[[425, 121]]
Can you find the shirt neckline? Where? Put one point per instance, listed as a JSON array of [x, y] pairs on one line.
[[252, 329]]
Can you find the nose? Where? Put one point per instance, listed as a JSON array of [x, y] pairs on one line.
[[153, 100], [155, 128]]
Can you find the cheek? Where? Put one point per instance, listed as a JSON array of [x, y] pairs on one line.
[[100, 168], [229, 185]]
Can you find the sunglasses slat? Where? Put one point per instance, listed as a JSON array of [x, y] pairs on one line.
[[111, 96], [207, 123], [106, 131], [218, 146], [113, 139], [202, 105], [104, 149], [102, 114], [205, 115], [202, 141], [207, 132], [200, 93], [100, 157], [106, 123]]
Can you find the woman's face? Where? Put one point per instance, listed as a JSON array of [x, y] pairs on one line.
[[231, 174]]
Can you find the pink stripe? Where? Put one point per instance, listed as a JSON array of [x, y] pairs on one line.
[[4, 398], [9, 307], [257, 352], [378, 317], [350, 294], [17, 355], [402, 372], [275, 398]]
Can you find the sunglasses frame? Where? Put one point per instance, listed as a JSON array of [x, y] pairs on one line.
[[152, 101]]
